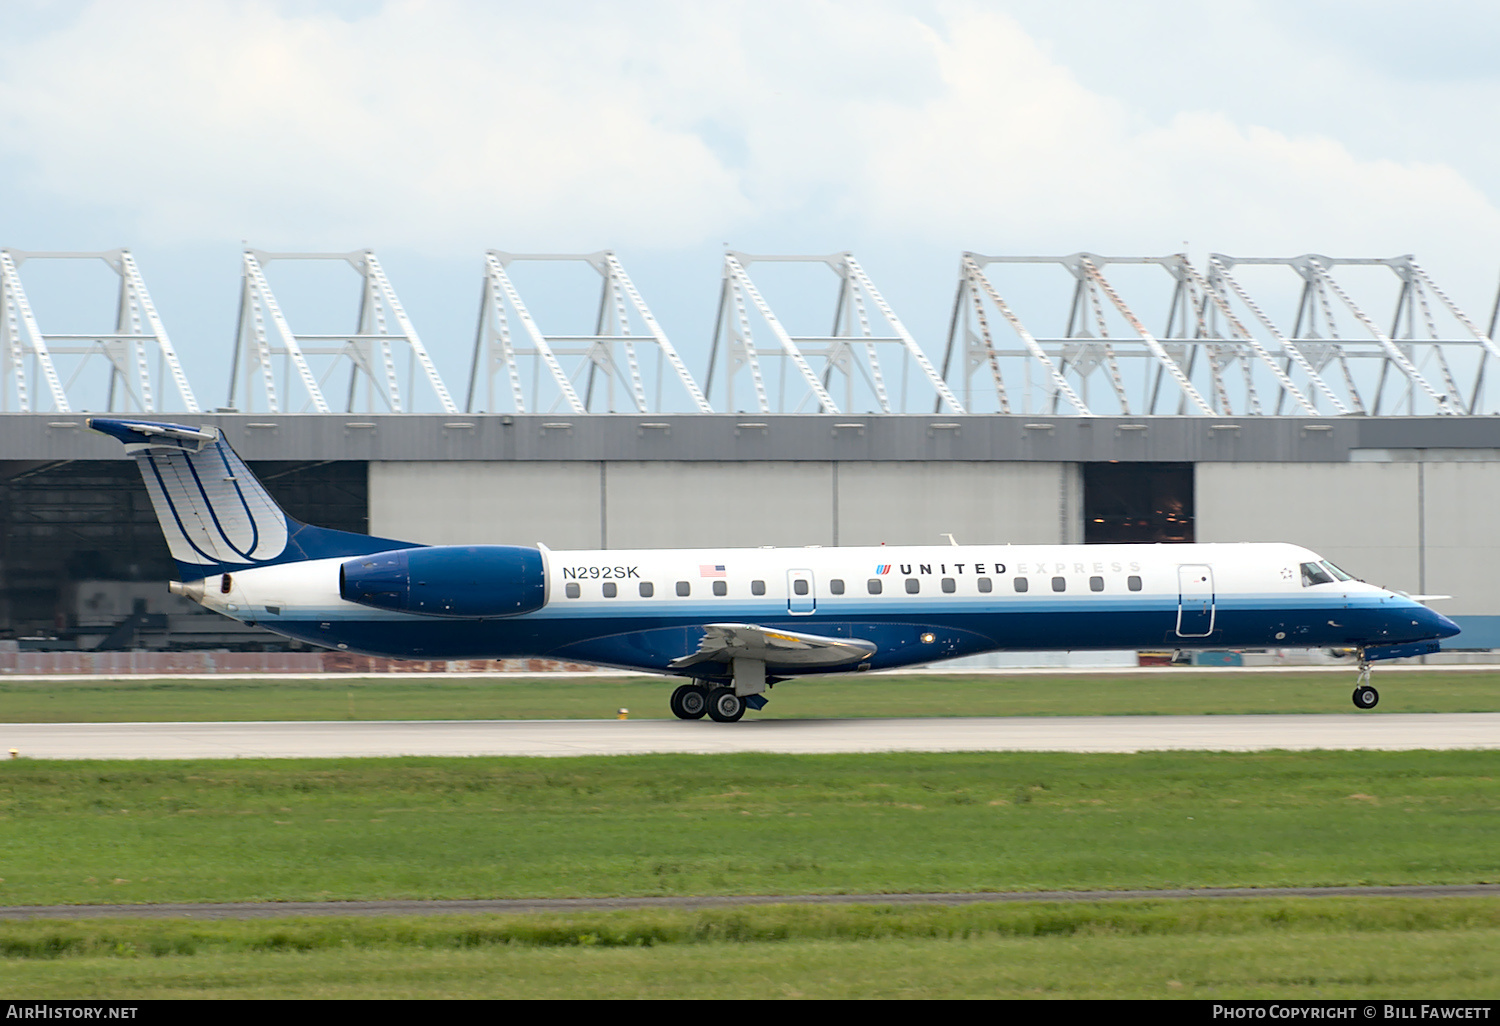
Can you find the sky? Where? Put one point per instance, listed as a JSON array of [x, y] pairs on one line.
[[906, 132]]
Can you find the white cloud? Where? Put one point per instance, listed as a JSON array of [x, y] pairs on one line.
[[427, 125], [1016, 152], [450, 126]]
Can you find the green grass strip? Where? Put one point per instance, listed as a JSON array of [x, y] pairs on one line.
[[132, 938], [1282, 948], [419, 828], [1176, 691]]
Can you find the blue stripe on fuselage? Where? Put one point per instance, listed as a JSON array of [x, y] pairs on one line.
[[652, 639]]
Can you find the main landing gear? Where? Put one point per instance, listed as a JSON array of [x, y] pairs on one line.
[[724, 706], [689, 702], [1365, 697], [694, 701]]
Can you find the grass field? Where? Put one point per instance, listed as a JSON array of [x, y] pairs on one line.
[[247, 830], [1284, 949], [123, 832], [1169, 691]]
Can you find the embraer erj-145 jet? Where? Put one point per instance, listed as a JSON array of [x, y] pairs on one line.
[[735, 621]]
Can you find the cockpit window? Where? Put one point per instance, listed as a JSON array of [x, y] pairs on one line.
[[1313, 573], [1342, 575]]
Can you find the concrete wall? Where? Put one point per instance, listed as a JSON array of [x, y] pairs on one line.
[[1363, 516], [491, 503], [979, 503], [635, 504], [1461, 511], [685, 505], [1399, 520], [1418, 524]]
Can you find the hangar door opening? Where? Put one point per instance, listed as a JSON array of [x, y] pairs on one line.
[[83, 564], [1137, 502]]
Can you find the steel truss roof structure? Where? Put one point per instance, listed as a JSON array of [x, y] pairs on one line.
[[366, 353], [496, 345], [849, 349], [1309, 335], [30, 355], [1220, 353]]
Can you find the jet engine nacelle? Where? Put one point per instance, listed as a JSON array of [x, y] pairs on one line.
[[469, 581]]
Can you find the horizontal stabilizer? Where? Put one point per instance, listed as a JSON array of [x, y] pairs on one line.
[[140, 434], [723, 642]]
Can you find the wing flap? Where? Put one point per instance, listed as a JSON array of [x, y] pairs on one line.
[[723, 642]]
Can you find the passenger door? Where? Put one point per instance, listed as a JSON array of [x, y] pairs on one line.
[[1195, 600], [801, 597]]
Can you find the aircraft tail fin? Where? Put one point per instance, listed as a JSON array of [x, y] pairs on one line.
[[217, 517]]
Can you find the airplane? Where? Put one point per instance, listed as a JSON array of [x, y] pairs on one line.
[[733, 622]]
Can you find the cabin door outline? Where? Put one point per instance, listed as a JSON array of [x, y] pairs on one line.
[[1195, 600], [805, 604]]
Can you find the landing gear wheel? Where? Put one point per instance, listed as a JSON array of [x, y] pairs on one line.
[[689, 702], [1365, 697], [725, 706]]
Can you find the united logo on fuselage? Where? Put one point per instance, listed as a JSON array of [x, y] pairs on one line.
[[910, 569]]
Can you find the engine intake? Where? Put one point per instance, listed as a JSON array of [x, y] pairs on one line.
[[466, 581]]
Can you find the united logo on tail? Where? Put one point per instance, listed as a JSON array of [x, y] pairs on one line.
[[216, 516]]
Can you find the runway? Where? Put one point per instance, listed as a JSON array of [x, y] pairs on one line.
[[286, 740]]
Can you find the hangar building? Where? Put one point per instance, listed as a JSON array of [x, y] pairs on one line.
[[1403, 498]]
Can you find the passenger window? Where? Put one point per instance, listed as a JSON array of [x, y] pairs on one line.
[[1059, 584], [572, 590], [647, 589], [757, 587], [948, 586], [799, 586], [721, 588], [874, 585], [610, 591], [913, 586], [986, 585], [836, 586], [1096, 584], [1133, 583], [684, 588], [1021, 583], [1312, 574]]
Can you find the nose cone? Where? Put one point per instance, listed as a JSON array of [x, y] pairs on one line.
[[1428, 624], [1442, 627], [1409, 620]]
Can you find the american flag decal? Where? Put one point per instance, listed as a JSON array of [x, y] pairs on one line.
[[711, 570]]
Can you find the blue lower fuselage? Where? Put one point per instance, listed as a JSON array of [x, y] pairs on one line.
[[908, 635]]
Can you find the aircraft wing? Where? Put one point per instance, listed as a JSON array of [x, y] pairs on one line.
[[723, 642]]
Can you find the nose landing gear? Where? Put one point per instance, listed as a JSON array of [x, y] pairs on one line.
[[1365, 697]]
